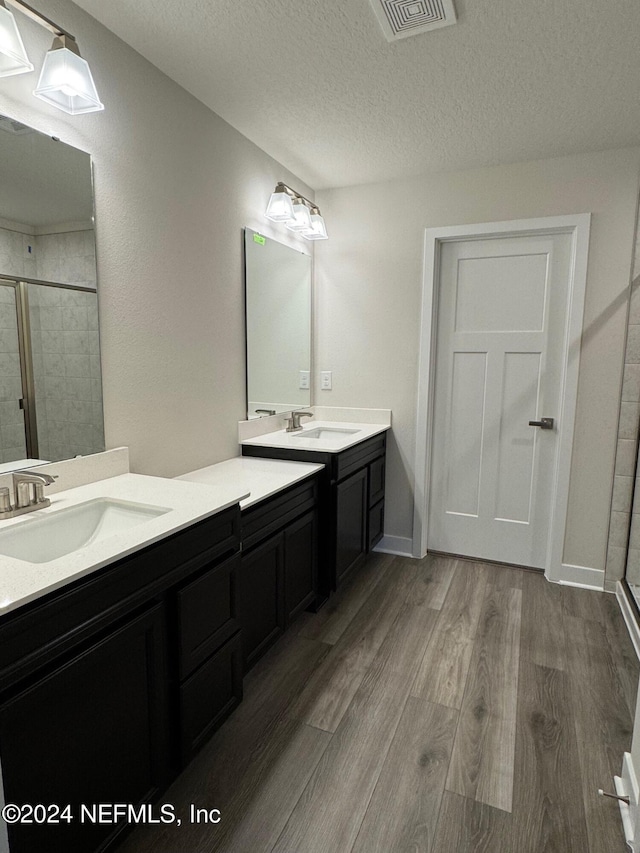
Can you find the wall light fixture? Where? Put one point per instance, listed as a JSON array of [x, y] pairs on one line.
[[296, 212], [65, 79]]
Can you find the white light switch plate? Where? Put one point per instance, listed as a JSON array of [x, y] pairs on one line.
[[325, 380], [305, 380]]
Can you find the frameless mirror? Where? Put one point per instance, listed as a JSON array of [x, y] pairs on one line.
[[50, 379], [278, 326]]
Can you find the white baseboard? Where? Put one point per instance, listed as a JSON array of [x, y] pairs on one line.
[[627, 786], [581, 576], [629, 617], [401, 546]]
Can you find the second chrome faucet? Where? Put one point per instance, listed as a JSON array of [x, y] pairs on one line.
[[293, 423]]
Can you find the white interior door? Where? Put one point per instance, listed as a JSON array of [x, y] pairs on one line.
[[502, 315]]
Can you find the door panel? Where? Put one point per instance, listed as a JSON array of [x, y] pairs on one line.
[[465, 429], [501, 322]]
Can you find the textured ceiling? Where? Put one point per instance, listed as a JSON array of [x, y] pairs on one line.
[[316, 85]]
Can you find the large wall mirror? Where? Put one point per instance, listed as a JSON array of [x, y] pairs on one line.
[[278, 326], [50, 378]]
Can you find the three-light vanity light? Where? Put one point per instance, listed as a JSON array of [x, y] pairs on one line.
[[65, 79], [296, 212]]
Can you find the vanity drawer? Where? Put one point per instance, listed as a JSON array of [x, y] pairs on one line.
[[207, 614], [357, 457], [208, 697], [268, 516]]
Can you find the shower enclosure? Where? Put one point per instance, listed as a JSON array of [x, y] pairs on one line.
[[50, 381]]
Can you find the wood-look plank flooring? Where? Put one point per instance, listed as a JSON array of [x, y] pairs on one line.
[[434, 706]]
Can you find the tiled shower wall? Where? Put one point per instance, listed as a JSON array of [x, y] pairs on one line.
[[68, 257], [625, 470], [66, 365]]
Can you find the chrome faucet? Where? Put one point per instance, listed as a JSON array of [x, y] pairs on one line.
[[293, 423], [28, 489]]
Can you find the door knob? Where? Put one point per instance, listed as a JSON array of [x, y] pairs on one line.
[[543, 423]]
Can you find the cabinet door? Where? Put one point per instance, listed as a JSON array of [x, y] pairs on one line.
[[351, 523], [94, 730], [209, 696], [301, 565], [261, 600]]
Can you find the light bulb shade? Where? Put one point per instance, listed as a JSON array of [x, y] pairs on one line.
[[66, 82], [301, 219], [13, 56], [318, 230], [280, 208]]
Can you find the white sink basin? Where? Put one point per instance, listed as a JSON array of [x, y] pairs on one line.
[[324, 433], [47, 537]]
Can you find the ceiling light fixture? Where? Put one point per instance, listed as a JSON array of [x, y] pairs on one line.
[[65, 79], [296, 212], [13, 56]]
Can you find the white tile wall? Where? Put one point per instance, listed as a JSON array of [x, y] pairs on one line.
[[625, 471], [67, 258]]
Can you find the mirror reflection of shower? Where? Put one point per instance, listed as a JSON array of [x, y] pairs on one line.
[[50, 381]]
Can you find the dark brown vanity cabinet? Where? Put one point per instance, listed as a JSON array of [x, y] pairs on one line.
[[351, 516], [109, 685], [279, 566]]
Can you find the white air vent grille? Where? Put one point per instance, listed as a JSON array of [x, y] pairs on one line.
[[402, 18]]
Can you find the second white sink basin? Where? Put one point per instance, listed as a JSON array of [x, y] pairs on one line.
[[324, 433], [48, 537]]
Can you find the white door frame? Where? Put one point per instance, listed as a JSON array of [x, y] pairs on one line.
[[578, 226]]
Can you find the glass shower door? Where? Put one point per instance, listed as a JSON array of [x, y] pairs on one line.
[[13, 433]]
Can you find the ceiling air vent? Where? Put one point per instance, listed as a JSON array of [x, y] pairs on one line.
[[402, 18]]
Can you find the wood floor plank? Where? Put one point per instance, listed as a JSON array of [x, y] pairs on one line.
[[328, 816], [435, 574], [264, 799], [547, 804], [329, 623], [542, 606], [482, 763], [465, 826], [326, 697], [403, 811], [443, 674], [603, 726], [582, 603]]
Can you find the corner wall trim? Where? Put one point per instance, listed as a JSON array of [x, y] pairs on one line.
[[629, 617], [401, 546], [627, 786], [580, 576]]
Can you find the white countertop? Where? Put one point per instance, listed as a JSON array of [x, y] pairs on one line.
[[261, 477], [329, 444], [187, 503]]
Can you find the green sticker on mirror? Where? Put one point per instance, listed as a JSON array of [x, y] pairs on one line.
[[258, 238]]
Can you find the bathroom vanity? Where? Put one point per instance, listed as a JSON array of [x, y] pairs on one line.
[[110, 682], [278, 570], [351, 488]]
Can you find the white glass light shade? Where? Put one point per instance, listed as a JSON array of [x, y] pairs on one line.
[[13, 56], [318, 229], [66, 82], [301, 219], [280, 208]]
